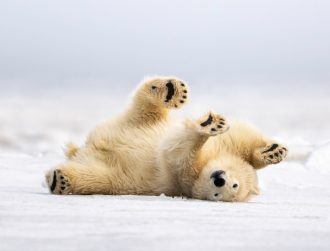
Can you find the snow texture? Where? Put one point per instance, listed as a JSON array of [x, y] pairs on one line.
[[292, 213]]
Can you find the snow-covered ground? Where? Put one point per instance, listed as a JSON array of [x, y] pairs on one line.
[[293, 211]]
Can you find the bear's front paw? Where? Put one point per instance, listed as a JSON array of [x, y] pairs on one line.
[[170, 92], [212, 124], [57, 182], [273, 153]]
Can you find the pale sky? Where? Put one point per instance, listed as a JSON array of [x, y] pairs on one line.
[[126, 40]]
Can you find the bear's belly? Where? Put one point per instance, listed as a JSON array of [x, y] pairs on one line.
[[132, 156]]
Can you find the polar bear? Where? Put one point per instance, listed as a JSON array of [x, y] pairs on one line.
[[142, 153]]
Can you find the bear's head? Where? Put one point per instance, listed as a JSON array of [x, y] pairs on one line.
[[228, 178]]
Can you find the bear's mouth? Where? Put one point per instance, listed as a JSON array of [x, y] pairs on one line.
[[216, 197], [170, 91]]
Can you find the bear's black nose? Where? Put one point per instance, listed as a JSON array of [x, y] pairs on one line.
[[219, 181]]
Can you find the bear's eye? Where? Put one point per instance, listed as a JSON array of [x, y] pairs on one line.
[[235, 185], [216, 194]]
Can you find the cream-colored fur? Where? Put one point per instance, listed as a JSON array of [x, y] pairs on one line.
[[141, 152]]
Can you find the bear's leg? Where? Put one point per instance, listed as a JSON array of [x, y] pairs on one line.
[[75, 178], [181, 151], [271, 154], [154, 98]]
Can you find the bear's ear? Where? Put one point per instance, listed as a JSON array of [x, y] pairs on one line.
[[255, 187], [255, 190]]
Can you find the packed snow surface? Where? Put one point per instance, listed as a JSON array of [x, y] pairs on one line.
[[292, 212]]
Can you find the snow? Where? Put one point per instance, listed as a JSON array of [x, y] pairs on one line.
[[292, 212], [320, 159]]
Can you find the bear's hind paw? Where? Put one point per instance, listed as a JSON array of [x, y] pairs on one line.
[[58, 183], [170, 92]]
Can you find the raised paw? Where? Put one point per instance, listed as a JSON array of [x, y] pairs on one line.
[[58, 183], [169, 92], [273, 153], [212, 124]]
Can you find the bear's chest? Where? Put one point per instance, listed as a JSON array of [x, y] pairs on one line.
[[138, 146]]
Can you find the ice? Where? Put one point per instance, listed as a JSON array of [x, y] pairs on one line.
[[289, 214]]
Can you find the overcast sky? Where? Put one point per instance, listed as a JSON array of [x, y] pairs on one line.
[[126, 40]]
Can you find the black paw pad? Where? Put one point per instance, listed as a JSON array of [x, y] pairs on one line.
[[208, 121], [170, 91], [53, 186], [273, 147]]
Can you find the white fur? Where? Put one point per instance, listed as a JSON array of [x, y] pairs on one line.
[[140, 152]]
